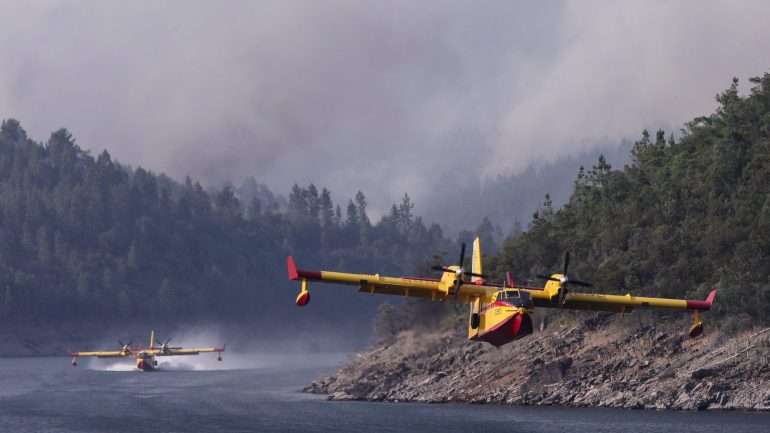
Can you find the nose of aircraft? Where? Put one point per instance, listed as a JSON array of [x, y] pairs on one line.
[[521, 326]]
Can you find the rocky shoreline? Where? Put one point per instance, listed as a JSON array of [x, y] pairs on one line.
[[600, 361]]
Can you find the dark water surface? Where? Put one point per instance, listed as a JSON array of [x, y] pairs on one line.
[[261, 395]]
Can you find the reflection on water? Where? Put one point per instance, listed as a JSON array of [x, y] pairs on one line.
[[260, 394]]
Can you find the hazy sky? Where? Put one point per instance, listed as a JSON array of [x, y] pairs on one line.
[[385, 96]]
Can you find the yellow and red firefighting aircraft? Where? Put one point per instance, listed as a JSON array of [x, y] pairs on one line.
[[145, 356], [499, 313]]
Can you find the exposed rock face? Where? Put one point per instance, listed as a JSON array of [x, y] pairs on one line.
[[599, 363]]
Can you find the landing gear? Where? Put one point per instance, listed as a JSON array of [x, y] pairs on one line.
[[74, 362], [475, 320]]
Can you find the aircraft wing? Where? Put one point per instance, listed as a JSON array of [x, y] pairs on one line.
[[102, 354], [435, 289], [618, 303], [193, 351]]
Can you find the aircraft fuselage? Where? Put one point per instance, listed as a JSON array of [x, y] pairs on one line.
[[501, 323], [146, 361]]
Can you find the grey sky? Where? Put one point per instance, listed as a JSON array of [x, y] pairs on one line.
[[386, 97]]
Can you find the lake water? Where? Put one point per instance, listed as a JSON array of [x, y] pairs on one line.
[[261, 394]]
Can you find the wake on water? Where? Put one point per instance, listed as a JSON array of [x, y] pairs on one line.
[[236, 361], [209, 337], [170, 364]]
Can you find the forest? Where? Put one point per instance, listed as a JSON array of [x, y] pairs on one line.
[[87, 238], [685, 215]]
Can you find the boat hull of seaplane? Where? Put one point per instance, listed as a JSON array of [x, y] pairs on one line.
[[502, 324], [146, 363]]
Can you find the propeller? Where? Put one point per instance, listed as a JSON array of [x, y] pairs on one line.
[[125, 347], [460, 271], [164, 346], [565, 280]]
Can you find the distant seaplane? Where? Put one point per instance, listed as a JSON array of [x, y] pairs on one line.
[[146, 357]]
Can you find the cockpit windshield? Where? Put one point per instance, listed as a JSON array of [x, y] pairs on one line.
[[517, 298]]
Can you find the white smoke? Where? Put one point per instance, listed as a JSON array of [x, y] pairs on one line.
[[386, 97]]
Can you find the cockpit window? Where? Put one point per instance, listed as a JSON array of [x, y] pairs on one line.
[[516, 298]]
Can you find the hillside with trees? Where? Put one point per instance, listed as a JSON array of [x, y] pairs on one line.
[[86, 238], [685, 215]]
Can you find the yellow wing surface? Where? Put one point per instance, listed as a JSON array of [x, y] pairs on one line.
[[103, 354], [182, 352], [448, 288], [443, 289], [616, 303]]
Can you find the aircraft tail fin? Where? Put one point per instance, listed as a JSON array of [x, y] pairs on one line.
[[476, 262]]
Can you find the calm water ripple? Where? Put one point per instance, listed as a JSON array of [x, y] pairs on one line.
[[261, 395]]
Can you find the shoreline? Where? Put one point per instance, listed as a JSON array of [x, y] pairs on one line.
[[600, 362], [758, 412]]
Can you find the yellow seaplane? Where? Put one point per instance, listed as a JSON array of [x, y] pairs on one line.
[[146, 356], [498, 313]]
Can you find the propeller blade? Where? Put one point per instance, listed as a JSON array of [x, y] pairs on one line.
[[566, 263], [168, 341], [562, 296], [473, 274], [458, 283], [441, 268], [462, 254], [121, 343]]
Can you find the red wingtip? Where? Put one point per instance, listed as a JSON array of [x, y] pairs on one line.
[[293, 273], [711, 297], [703, 305]]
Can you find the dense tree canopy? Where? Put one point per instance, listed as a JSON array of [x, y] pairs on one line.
[[83, 237], [682, 217]]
